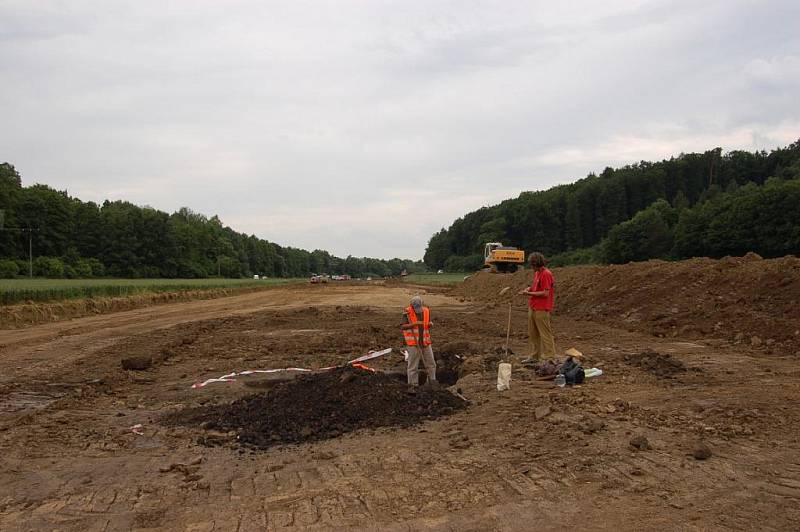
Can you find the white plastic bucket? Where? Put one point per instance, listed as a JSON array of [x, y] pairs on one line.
[[503, 376]]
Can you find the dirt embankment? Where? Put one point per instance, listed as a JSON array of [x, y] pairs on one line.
[[746, 299], [15, 316]]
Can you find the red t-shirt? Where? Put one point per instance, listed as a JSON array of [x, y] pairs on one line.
[[543, 280]]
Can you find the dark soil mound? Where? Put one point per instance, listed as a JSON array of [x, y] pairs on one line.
[[320, 406], [662, 366]]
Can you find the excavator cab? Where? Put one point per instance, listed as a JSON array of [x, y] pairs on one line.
[[488, 248], [502, 259]]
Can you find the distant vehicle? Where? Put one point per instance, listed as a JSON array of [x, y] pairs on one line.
[[502, 259], [256, 277], [440, 271]]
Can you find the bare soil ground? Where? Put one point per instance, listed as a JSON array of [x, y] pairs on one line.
[[617, 453]]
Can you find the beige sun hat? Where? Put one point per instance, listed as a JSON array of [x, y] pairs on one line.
[[574, 353]]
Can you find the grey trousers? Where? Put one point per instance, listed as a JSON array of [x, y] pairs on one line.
[[414, 354]]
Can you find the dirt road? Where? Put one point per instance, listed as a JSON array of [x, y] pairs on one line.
[[69, 459]]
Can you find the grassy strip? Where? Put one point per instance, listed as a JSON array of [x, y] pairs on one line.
[[436, 278], [14, 291]]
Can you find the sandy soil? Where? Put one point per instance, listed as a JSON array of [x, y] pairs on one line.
[[534, 457]]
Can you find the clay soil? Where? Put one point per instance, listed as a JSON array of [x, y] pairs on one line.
[[86, 445]]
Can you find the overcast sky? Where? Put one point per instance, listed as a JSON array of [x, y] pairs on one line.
[[362, 127]]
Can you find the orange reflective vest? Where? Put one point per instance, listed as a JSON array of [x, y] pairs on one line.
[[410, 335]]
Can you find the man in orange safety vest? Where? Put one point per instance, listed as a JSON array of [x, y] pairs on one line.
[[417, 335]]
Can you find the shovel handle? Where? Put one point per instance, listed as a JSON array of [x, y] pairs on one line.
[[508, 329]]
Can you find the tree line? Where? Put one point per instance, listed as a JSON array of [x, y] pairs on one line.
[[73, 238], [697, 204]]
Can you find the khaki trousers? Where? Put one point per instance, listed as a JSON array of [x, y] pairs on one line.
[[540, 335], [414, 354]]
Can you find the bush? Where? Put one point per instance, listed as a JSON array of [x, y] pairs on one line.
[[230, 267], [648, 235], [83, 269], [8, 269], [69, 272], [763, 219], [190, 270], [470, 263], [48, 267], [98, 268], [150, 272], [23, 266], [592, 255]]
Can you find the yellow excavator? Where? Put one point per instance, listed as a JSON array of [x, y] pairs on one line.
[[498, 258]]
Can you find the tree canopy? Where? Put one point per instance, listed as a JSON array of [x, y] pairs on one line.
[[73, 238], [638, 211]]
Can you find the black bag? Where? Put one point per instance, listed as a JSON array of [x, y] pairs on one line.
[[575, 376], [572, 371]]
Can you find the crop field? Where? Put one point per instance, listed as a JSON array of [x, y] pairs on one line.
[[14, 291]]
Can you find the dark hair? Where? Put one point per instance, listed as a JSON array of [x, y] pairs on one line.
[[536, 260]]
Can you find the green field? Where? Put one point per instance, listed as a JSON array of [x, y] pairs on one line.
[[14, 291], [436, 278]]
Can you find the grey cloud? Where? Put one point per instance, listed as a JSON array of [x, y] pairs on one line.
[[331, 125]]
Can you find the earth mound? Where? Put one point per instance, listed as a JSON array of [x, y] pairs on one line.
[[732, 299], [321, 406], [662, 366]]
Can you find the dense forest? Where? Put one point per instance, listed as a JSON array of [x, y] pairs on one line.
[[71, 238], [698, 204]]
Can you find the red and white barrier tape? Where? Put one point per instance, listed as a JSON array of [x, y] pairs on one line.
[[371, 355], [231, 377]]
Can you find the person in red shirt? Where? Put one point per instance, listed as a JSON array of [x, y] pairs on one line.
[[541, 298]]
